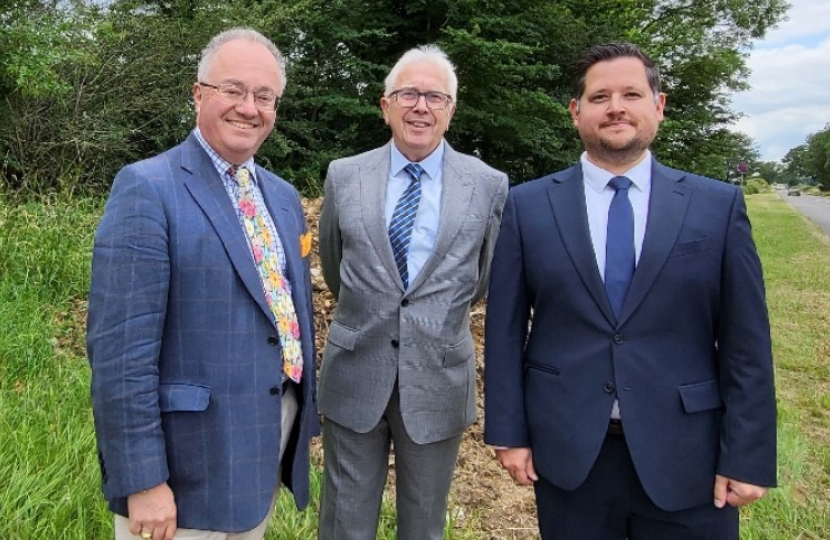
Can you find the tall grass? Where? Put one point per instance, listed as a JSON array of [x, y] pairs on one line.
[[49, 479], [796, 260]]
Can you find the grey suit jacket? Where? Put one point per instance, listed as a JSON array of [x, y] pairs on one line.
[[419, 337]]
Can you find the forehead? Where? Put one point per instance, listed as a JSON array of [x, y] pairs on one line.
[[423, 75], [246, 62], [616, 73]]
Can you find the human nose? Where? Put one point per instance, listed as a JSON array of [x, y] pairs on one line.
[[615, 104], [247, 106], [421, 103]]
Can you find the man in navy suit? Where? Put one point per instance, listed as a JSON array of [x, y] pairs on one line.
[[203, 404], [628, 366]]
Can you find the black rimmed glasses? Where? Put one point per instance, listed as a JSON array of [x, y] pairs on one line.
[[407, 97], [235, 95]]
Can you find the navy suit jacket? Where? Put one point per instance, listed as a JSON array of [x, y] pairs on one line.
[[689, 358], [186, 364]]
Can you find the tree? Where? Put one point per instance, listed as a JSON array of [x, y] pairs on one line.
[[38, 40], [810, 162], [116, 85], [771, 171]]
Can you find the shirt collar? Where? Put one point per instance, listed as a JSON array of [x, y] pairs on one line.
[[220, 163], [431, 164], [598, 178]]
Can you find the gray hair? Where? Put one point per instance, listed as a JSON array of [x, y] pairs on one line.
[[246, 34], [424, 53]]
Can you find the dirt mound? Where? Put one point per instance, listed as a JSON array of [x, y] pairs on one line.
[[483, 496]]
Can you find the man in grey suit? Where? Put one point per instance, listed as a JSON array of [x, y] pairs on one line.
[[200, 331], [406, 237]]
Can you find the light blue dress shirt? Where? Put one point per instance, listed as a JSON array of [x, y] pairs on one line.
[[598, 196], [428, 216]]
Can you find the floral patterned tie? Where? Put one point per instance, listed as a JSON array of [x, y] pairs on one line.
[[277, 293]]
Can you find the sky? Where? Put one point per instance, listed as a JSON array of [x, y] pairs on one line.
[[790, 81]]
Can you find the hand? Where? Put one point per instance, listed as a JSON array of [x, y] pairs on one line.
[[736, 493], [519, 464], [153, 511]]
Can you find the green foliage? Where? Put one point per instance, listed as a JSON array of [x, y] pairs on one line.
[[756, 185], [50, 484], [48, 464], [90, 89]]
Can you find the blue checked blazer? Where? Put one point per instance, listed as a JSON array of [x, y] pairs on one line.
[[186, 369]]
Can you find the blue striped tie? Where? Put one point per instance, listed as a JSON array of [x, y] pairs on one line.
[[619, 246], [403, 218]]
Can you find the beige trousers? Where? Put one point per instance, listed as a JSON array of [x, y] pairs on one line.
[[289, 414]]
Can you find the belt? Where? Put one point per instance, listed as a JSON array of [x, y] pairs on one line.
[[615, 428]]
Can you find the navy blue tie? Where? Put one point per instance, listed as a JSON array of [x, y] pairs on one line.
[[619, 246], [403, 219]]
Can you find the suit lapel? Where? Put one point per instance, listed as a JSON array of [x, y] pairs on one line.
[[456, 193], [374, 178], [666, 211], [206, 188], [567, 199]]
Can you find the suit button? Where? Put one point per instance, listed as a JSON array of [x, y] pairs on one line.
[[609, 388], [273, 341], [395, 343], [619, 339], [405, 302], [274, 391]]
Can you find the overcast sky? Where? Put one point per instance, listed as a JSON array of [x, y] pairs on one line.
[[790, 94]]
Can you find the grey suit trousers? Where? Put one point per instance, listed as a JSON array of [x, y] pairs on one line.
[[355, 476]]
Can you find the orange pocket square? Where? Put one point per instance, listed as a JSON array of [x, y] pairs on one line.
[[305, 244]]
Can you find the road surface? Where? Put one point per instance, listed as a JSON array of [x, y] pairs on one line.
[[817, 209]]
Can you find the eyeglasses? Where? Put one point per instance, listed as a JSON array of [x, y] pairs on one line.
[[233, 94], [436, 101]]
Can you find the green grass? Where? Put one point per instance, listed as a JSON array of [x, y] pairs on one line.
[[49, 480], [796, 260]]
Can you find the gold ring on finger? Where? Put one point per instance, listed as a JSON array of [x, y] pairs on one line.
[[146, 535]]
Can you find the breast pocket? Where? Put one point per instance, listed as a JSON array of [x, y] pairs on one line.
[[690, 248]]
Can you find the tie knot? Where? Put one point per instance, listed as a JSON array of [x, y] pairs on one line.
[[620, 183], [243, 176], [414, 170]]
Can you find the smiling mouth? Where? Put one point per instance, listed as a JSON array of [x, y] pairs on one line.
[[241, 125]]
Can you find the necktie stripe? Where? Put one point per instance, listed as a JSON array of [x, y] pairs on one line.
[[403, 220]]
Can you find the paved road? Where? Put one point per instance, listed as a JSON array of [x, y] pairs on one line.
[[817, 209]]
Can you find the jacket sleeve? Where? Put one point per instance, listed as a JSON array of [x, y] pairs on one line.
[[506, 327], [748, 430], [490, 236], [127, 305], [331, 243]]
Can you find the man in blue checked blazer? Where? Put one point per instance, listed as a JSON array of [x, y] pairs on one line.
[[199, 414], [628, 366]]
